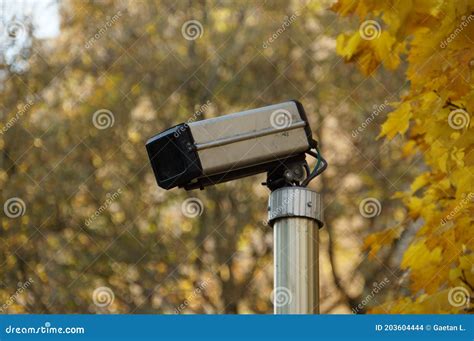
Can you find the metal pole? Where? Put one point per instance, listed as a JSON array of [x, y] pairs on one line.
[[296, 216]]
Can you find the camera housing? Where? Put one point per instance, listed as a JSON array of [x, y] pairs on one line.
[[215, 150]]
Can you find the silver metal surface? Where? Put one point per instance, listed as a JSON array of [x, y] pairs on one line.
[[296, 248], [245, 136], [249, 137], [295, 202]]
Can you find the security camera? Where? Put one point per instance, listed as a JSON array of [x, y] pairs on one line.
[[272, 139]]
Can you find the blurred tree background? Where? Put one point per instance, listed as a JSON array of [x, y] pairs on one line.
[[88, 214]]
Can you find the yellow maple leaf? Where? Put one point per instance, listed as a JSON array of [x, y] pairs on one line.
[[420, 181], [375, 241], [397, 122]]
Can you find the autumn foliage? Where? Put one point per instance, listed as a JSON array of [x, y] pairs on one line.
[[87, 216], [434, 40]]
